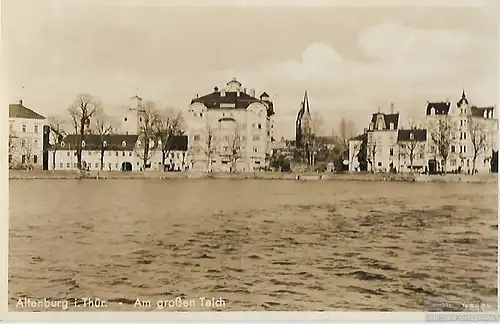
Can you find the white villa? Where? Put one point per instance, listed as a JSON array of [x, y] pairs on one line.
[[230, 129]]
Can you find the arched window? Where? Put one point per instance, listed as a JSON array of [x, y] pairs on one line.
[[433, 111], [62, 144], [124, 143], [83, 143], [412, 137], [485, 114], [104, 143]]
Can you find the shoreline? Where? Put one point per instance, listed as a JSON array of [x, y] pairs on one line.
[[357, 176]]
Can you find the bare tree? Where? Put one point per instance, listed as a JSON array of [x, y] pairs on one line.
[[233, 146], [56, 135], [372, 152], [102, 126], [442, 137], [346, 130], [477, 135], [209, 145], [27, 148], [356, 146], [81, 112], [170, 123], [150, 118]]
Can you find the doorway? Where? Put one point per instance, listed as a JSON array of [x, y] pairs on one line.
[[127, 166]]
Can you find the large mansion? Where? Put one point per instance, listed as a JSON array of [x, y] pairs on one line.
[[230, 129], [449, 141]]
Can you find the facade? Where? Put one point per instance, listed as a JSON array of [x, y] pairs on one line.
[[468, 124], [230, 129], [382, 141], [119, 153], [26, 137], [411, 149]]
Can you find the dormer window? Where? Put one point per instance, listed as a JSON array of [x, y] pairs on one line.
[[124, 143], [83, 143], [391, 126], [159, 142], [62, 144], [104, 143], [412, 137], [433, 111]]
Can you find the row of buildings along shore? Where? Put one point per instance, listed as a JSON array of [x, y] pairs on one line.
[[232, 129], [461, 138]]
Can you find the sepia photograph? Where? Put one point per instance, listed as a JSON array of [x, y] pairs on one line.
[[237, 156]]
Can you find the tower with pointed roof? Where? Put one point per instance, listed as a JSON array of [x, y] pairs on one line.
[[303, 124]]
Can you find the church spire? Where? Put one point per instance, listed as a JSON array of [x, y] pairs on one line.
[[306, 103]]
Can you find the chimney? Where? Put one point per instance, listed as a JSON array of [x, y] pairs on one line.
[[21, 102], [252, 93], [365, 130], [392, 108], [196, 96]]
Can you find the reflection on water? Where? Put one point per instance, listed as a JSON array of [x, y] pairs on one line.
[[259, 245]]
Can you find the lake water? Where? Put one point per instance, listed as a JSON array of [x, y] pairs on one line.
[[258, 245]]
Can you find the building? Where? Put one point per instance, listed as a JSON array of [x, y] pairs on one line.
[[26, 137], [411, 150], [230, 129], [355, 145], [382, 141], [116, 153], [459, 132]]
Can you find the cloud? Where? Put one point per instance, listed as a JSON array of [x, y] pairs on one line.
[[399, 63]]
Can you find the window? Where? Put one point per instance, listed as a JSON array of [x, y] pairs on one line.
[[83, 143], [196, 137], [201, 114], [62, 144], [116, 165], [259, 126], [109, 153], [380, 164], [68, 165], [253, 125], [255, 150], [391, 152], [391, 126], [36, 128], [123, 153], [23, 159], [124, 143], [61, 165], [10, 158], [104, 143], [256, 137], [465, 136], [421, 155], [125, 119], [453, 162], [129, 153], [68, 153], [24, 128], [465, 148], [433, 111], [116, 153], [35, 144], [75, 165], [35, 159], [412, 137], [461, 122], [140, 119], [89, 152], [97, 165], [223, 114]]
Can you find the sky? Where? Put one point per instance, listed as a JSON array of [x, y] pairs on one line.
[[352, 59]]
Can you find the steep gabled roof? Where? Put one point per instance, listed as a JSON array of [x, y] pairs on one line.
[[440, 108], [419, 135], [479, 111], [20, 111], [388, 118], [360, 137]]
